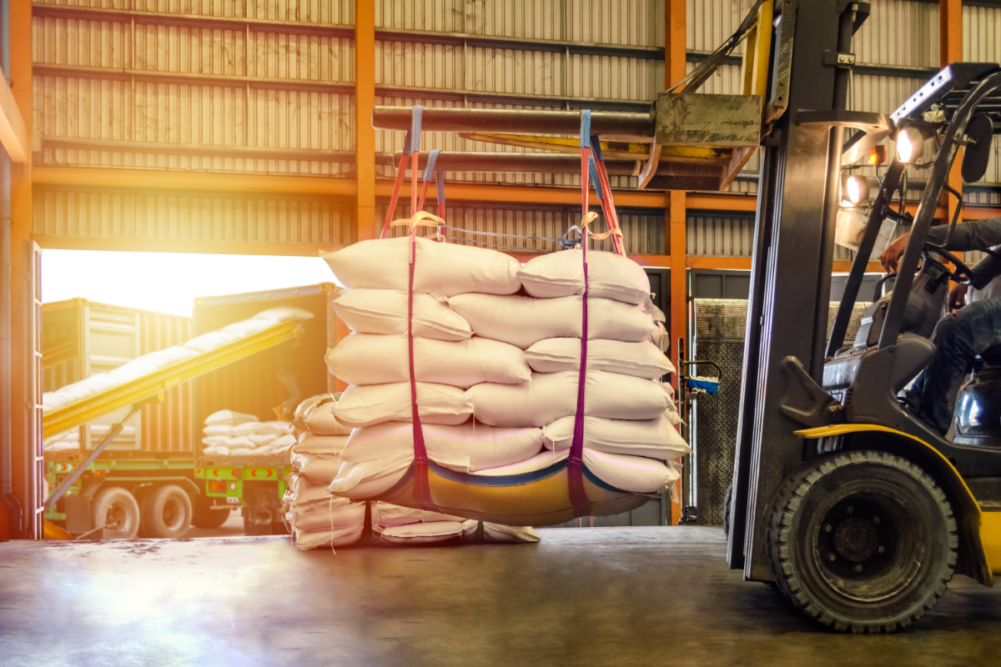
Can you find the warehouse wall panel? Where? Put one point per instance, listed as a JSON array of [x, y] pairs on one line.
[[154, 215], [615, 78], [624, 22], [713, 235], [982, 34], [711, 22], [902, 33]]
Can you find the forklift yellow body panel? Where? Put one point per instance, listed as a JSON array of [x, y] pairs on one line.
[[979, 531]]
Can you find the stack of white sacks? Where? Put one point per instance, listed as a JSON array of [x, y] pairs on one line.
[[496, 354], [229, 433], [319, 519], [155, 361]]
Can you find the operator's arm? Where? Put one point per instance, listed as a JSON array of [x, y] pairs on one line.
[[970, 235]]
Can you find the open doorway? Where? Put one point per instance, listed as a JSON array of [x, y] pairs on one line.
[[139, 351]]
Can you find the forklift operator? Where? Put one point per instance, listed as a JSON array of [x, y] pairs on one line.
[[959, 337]]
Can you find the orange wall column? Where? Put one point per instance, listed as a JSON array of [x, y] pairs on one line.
[[950, 49], [674, 70], [364, 104], [20, 209]]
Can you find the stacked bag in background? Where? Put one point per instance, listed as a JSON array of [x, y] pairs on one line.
[[316, 518], [229, 433], [496, 359], [319, 519]]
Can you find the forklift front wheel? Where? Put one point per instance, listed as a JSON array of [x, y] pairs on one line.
[[863, 541]]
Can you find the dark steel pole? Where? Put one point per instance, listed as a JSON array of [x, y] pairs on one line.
[[516, 121]]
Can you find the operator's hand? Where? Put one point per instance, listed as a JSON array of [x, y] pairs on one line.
[[891, 256], [957, 297]]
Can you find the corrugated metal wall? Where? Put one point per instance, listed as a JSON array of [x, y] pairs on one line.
[[159, 215]]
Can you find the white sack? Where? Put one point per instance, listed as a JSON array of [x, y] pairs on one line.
[[609, 276], [321, 421], [522, 320], [364, 359], [228, 417], [305, 492], [283, 314], [246, 328], [242, 451], [655, 438], [634, 474], [429, 533], [263, 439], [374, 404], [218, 429], [385, 515], [210, 341], [324, 514], [551, 396], [317, 468], [495, 532], [83, 389], [442, 268], [241, 442], [315, 539], [215, 440], [643, 360], [150, 363], [310, 443], [377, 311], [466, 447], [358, 481]]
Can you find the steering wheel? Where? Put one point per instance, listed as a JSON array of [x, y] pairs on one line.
[[962, 275]]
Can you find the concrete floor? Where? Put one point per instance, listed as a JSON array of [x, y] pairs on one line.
[[583, 596]]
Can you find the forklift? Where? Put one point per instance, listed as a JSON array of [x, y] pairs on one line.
[[858, 511]]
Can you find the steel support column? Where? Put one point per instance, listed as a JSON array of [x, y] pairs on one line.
[[364, 132], [675, 29], [20, 233]]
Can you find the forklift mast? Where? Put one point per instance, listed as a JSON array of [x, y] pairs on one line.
[[798, 199]]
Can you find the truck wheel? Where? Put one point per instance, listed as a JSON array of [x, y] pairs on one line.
[[116, 509], [205, 516], [257, 521], [863, 541], [168, 512]]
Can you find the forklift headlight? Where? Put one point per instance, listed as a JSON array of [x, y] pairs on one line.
[[910, 144], [857, 190]]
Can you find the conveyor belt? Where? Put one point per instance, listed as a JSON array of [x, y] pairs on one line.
[[150, 386]]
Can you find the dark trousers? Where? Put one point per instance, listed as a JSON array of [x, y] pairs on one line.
[[958, 338]]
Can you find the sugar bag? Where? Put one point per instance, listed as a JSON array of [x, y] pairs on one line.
[[310, 443], [441, 268], [642, 359], [523, 321], [321, 421], [609, 276], [466, 447], [438, 403], [229, 418], [429, 533], [654, 438], [365, 359], [376, 311], [551, 396]]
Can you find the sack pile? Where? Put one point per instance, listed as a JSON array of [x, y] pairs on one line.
[[319, 519], [229, 433], [316, 518], [496, 355]]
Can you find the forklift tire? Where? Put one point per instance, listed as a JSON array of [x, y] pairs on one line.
[[863, 541], [116, 509], [167, 512], [206, 517]]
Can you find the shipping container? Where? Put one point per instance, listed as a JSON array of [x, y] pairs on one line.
[[81, 338]]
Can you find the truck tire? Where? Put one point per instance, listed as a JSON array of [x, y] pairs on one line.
[[116, 509], [206, 517], [167, 512], [863, 541]]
